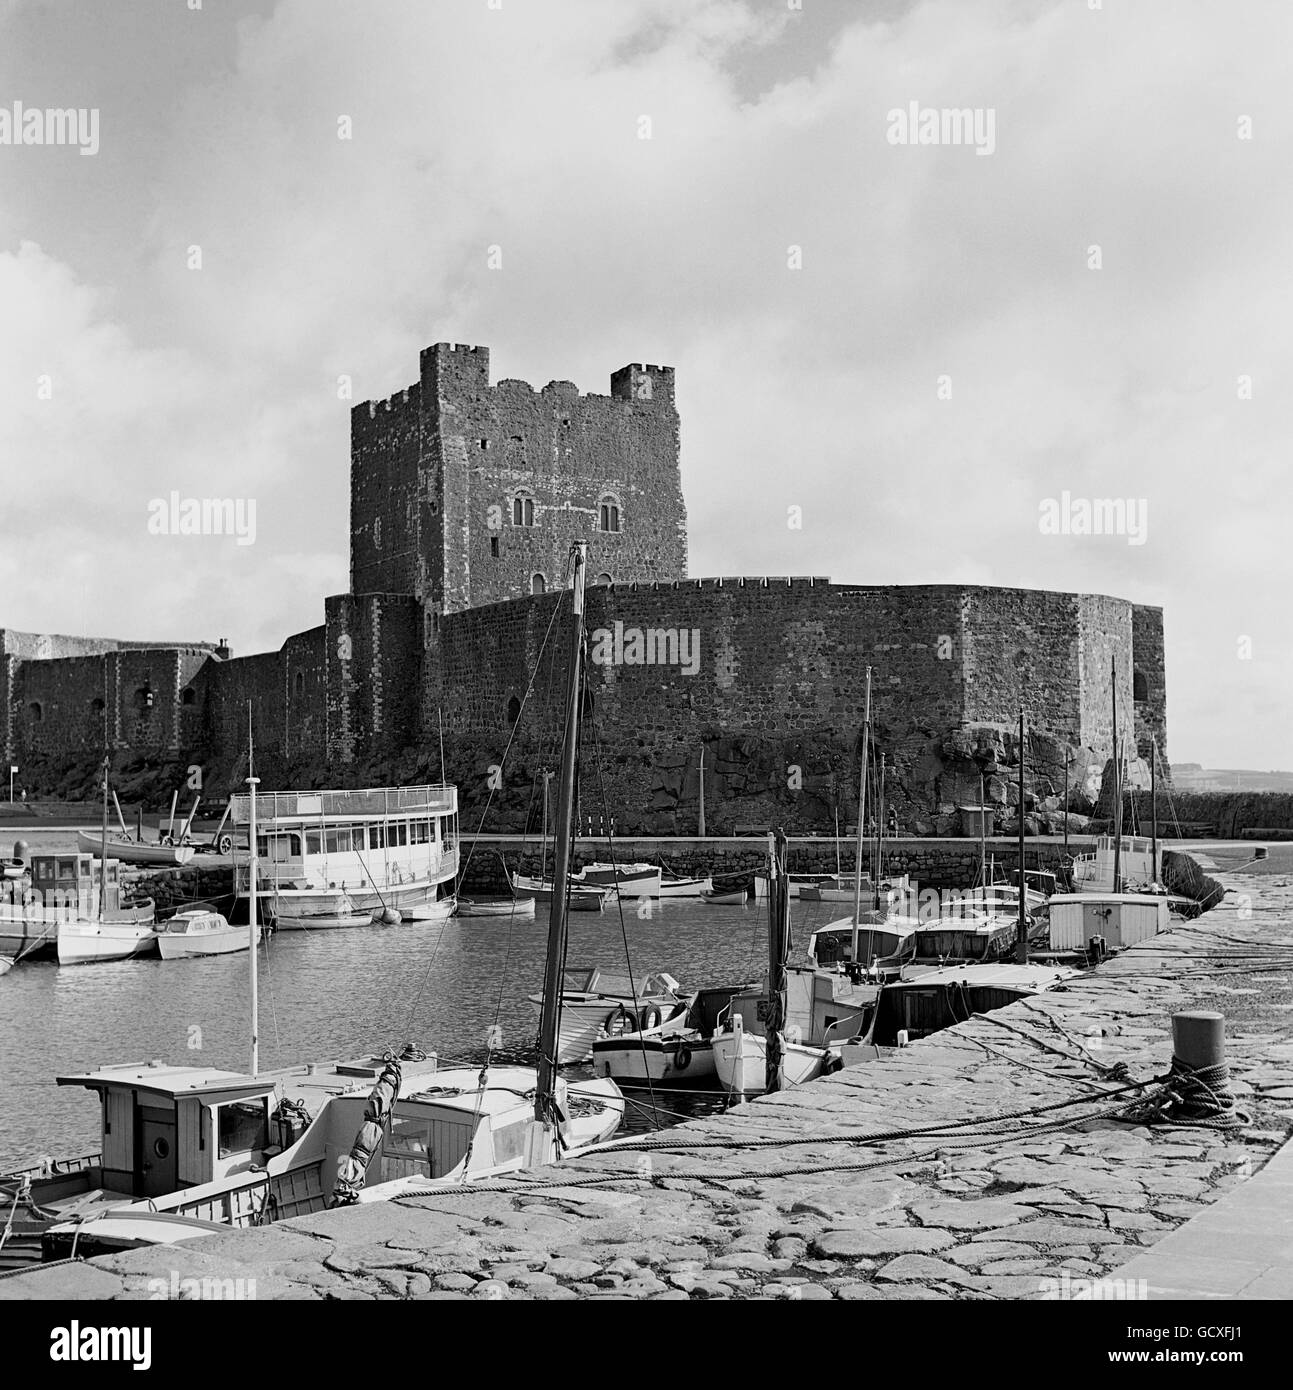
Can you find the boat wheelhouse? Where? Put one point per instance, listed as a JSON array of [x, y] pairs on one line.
[[64, 888], [1137, 867], [337, 858]]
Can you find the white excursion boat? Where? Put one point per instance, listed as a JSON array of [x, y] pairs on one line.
[[201, 933], [683, 1056], [597, 1003], [347, 858]]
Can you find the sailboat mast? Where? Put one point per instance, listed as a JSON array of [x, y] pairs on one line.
[[253, 877], [778, 949], [545, 1092], [1021, 936], [857, 865], [700, 814], [1117, 781], [983, 839], [103, 847], [879, 838], [1153, 803]]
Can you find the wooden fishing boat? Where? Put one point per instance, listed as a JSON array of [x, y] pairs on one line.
[[684, 1056], [65, 888], [496, 907], [839, 888], [577, 899], [597, 1003], [134, 852], [629, 880], [933, 999], [795, 883], [677, 887], [200, 933], [733, 897]]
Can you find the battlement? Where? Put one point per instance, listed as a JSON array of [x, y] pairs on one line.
[[643, 383], [410, 398], [455, 369]]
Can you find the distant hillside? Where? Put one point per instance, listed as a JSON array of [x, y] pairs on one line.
[[1192, 777]]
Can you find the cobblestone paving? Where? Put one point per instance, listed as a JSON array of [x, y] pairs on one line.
[[1002, 1213]]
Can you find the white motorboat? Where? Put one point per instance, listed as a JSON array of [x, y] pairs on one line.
[[596, 1003], [200, 933], [6, 964]]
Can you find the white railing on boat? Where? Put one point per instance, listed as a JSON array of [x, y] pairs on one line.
[[331, 805]]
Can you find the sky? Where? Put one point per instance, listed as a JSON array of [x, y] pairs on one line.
[[913, 350]]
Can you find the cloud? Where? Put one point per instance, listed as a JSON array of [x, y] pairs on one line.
[[520, 128]]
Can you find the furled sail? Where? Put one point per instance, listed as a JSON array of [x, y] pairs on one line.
[[353, 1169]]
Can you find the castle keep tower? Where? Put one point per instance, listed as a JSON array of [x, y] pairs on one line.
[[463, 494]]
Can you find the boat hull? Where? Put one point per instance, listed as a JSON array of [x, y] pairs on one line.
[[503, 907], [584, 1021], [161, 856], [741, 1060], [183, 946], [638, 1059], [82, 943], [314, 910]]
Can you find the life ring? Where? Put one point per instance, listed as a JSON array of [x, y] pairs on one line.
[[682, 1058], [624, 1017], [650, 1017]]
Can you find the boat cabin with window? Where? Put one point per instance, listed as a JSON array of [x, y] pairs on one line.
[[334, 858]]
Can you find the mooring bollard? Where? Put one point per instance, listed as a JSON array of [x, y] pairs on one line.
[[1199, 1039]]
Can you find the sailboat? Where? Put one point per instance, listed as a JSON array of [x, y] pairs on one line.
[[185, 1146], [790, 1031], [93, 932]]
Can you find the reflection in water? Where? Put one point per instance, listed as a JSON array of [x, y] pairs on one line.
[[335, 994]]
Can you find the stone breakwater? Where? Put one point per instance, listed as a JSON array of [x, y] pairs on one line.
[[992, 1209]]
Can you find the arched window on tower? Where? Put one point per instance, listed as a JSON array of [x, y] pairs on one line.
[[603, 578], [608, 512], [522, 510], [1139, 687], [538, 585], [37, 712], [188, 695], [513, 712]]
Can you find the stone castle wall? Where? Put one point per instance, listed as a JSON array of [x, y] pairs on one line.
[[451, 599]]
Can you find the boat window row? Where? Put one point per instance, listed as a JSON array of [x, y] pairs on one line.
[[347, 839]]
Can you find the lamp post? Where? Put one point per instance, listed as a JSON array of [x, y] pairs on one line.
[[12, 769]]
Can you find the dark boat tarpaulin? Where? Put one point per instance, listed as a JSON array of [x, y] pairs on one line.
[[353, 1169]]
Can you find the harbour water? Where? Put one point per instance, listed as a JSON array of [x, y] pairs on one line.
[[332, 994]]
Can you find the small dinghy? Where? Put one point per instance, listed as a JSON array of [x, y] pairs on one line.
[[496, 907], [725, 897]]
